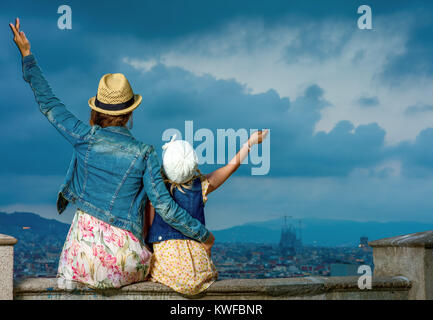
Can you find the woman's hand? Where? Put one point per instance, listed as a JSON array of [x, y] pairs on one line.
[[257, 137], [208, 244], [20, 38]]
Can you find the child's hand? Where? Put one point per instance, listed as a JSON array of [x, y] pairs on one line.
[[257, 137]]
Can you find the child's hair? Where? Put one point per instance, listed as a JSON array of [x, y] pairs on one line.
[[179, 186]]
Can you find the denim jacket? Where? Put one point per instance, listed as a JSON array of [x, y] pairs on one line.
[[111, 175], [192, 201]]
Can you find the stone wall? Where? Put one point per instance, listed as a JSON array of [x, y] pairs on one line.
[[317, 288], [6, 266], [410, 256]]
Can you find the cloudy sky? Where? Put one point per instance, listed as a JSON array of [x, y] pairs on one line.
[[350, 110]]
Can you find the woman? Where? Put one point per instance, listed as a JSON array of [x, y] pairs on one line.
[[110, 178]]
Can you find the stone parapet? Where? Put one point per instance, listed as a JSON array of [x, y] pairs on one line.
[[316, 288], [6, 266]]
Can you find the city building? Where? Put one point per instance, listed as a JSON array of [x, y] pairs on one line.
[[290, 242]]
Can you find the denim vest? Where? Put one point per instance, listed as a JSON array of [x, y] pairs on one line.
[[111, 174], [191, 201]]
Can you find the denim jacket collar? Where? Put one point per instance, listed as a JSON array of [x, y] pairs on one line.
[[118, 129]]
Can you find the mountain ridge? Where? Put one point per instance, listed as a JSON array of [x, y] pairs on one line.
[[315, 231]]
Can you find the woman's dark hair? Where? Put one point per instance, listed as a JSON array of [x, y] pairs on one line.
[[105, 120]]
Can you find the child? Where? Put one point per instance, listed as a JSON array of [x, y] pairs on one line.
[[179, 262]]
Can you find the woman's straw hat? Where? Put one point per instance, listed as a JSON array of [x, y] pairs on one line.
[[115, 96]]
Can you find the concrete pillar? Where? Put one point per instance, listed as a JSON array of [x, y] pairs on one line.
[[6, 266], [410, 256]]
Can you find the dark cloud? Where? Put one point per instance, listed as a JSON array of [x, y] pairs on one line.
[[314, 44], [173, 95], [368, 102], [417, 156], [413, 110], [415, 62]]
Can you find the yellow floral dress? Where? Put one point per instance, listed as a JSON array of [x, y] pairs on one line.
[[183, 264]]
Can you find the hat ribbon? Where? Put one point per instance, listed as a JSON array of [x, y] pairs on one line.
[[114, 107]]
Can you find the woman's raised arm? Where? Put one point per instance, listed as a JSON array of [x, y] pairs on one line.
[[64, 121]]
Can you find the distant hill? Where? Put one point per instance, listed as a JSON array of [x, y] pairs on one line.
[[13, 223], [321, 232]]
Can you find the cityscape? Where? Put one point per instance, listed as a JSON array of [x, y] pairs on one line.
[[36, 255]]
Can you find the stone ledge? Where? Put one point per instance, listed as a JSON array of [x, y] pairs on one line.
[[378, 283], [7, 240], [419, 239], [286, 288]]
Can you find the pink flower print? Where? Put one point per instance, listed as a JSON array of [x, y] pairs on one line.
[[75, 247], [144, 257], [115, 277], [64, 257], [98, 250], [79, 272], [108, 261], [105, 227], [108, 236], [85, 227], [115, 269], [113, 237], [93, 220], [120, 241]]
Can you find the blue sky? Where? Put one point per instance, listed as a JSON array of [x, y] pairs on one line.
[[350, 110]]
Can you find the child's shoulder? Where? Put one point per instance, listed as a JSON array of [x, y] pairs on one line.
[[204, 186]]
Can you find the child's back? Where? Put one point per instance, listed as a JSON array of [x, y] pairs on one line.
[[179, 262], [189, 199]]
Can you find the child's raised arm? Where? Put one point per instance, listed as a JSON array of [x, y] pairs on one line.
[[218, 177]]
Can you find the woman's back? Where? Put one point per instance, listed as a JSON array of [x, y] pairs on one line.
[[110, 163], [105, 177]]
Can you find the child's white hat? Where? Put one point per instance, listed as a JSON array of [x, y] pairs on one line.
[[179, 160]]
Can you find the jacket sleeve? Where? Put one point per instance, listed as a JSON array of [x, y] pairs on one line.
[[55, 111], [164, 204]]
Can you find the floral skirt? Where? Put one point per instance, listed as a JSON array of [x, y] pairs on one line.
[[101, 256], [183, 265]]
